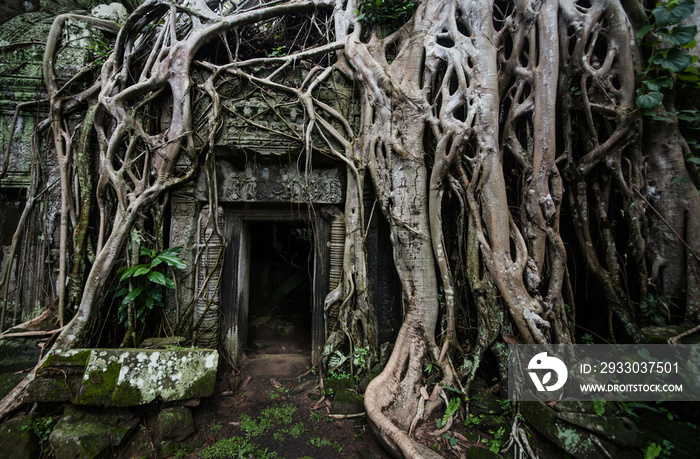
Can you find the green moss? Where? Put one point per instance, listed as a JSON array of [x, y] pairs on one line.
[[202, 386], [100, 385]]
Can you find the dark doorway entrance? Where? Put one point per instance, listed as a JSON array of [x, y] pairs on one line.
[[280, 288]]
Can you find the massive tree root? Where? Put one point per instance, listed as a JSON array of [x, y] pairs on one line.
[[501, 121]]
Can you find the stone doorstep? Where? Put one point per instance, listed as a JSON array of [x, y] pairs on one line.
[[124, 377]]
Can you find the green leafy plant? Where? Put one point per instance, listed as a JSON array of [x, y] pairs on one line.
[[100, 50], [669, 60], [599, 407], [451, 409], [41, 428], [269, 417], [393, 13], [320, 442], [236, 447], [278, 52], [473, 421], [450, 438], [655, 309], [652, 451], [497, 442], [142, 284], [587, 338]]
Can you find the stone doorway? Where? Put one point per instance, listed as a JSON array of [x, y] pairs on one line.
[[280, 307]]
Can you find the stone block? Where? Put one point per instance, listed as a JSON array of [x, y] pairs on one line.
[[82, 433], [76, 437], [17, 440], [174, 423], [125, 377]]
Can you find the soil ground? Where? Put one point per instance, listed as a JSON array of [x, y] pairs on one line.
[[276, 408]]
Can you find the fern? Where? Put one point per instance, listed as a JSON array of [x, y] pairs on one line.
[[652, 451], [599, 407], [449, 412]]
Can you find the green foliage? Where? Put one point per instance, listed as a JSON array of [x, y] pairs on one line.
[[393, 13], [269, 417], [587, 338], [498, 439], [141, 284], [359, 357], [320, 442], [236, 447], [100, 51], [664, 450], [652, 451], [451, 409], [473, 421], [654, 309], [450, 438], [41, 428], [669, 59], [599, 407], [316, 416], [280, 51]]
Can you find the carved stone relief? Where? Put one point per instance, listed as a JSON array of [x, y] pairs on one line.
[[274, 184]]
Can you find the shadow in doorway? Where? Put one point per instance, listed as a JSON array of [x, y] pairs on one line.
[[280, 302]]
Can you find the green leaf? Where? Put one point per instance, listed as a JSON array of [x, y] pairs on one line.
[[133, 295], [643, 31], [156, 261], [141, 271], [172, 251], [173, 261], [453, 441], [673, 59], [158, 278], [122, 291], [689, 115], [169, 283], [149, 303], [680, 35], [146, 252], [131, 272], [155, 293], [693, 159], [650, 100], [673, 13]]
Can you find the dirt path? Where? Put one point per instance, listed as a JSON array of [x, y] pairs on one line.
[[274, 413]]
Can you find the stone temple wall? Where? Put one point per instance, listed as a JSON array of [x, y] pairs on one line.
[[22, 38], [262, 172]]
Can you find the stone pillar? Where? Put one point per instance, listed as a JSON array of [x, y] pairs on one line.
[[183, 233], [321, 285]]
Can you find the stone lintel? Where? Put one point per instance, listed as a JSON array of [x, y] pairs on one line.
[[274, 183]]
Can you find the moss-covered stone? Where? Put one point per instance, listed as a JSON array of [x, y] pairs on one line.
[[17, 439], [618, 429], [174, 423], [683, 437], [88, 433], [126, 377], [661, 334], [76, 437], [484, 403], [569, 438], [347, 401]]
